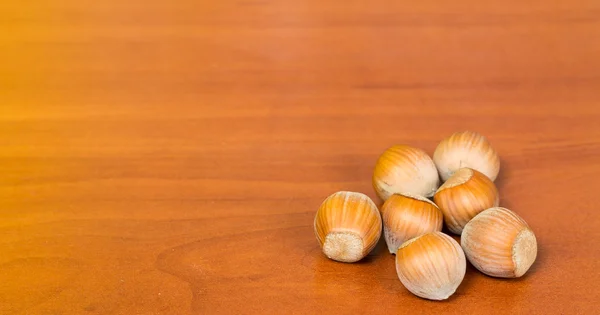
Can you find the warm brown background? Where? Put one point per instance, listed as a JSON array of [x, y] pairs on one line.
[[167, 157]]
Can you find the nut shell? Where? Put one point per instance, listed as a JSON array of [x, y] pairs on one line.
[[466, 149], [406, 216], [499, 243], [431, 266], [404, 169], [463, 196], [347, 226]]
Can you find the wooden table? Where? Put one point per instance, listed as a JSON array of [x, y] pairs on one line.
[[168, 157]]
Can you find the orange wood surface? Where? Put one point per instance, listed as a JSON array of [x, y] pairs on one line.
[[168, 157]]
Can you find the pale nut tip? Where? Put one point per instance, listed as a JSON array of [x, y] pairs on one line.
[[343, 246], [442, 293], [458, 178], [524, 251]]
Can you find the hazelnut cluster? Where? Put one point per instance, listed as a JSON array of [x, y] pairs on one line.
[[429, 263]]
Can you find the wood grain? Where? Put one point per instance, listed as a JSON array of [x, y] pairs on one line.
[[168, 157]]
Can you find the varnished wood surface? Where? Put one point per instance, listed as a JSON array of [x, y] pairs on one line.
[[168, 157]]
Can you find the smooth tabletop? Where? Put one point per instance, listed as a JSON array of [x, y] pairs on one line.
[[168, 157]]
